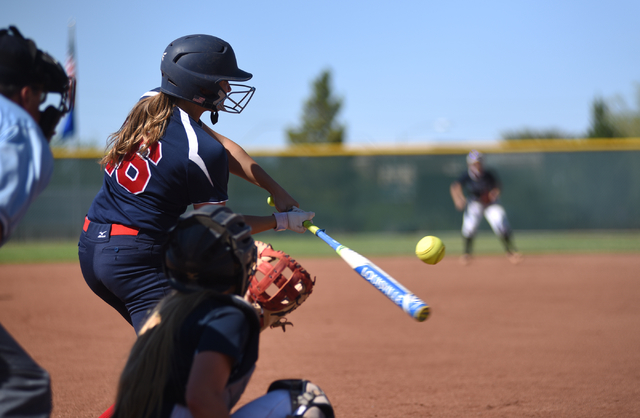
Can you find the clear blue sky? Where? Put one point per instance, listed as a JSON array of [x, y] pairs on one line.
[[414, 71]]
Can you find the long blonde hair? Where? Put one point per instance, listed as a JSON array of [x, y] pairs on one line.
[[143, 127], [143, 380]]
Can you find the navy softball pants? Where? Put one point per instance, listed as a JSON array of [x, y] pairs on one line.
[[123, 269]]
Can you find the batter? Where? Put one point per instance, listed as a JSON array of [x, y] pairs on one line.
[[162, 160]]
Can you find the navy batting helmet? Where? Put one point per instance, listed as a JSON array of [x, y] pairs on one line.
[[210, 248], [192, 68]]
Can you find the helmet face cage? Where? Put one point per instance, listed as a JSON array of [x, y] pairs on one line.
[[56, 81], [192, 68], [236, 100], [210, 248]]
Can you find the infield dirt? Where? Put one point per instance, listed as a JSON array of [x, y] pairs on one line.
[[555, 336]]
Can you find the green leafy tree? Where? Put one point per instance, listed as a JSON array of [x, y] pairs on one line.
[[319, 124], [625, 119], [529, 133], [602, 125]]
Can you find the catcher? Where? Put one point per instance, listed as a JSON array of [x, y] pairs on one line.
[[483, 190], [197, 351]]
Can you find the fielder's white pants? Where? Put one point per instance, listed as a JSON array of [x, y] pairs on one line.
[[494, 213], [275, 404]]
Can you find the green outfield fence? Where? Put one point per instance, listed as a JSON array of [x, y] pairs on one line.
[[547, 185]]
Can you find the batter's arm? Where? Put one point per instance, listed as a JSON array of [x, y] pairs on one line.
[[242, 165], [257, 223], [457, 195]]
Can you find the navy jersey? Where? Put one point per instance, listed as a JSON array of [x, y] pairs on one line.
[[220, 325], [479, 186], [151, 191]]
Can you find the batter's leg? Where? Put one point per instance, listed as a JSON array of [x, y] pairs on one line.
[[89, 254]]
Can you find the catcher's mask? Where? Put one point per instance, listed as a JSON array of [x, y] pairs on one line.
[[210, 248], [193, 66], [23, 64]]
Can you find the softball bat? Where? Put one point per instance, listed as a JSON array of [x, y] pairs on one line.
[[378, 278], [381, 280]]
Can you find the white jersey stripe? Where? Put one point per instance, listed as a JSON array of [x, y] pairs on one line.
[[193, 143], [150, 94]]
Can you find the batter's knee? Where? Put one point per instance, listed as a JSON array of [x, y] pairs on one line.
[[307, 399]]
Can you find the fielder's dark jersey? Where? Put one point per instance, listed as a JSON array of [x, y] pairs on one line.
[[475, 188], [219, 325], [151, 191]]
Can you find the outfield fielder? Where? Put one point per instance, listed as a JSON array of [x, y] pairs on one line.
[[483, 190], [27, 75]]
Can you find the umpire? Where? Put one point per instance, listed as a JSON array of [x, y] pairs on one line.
[[27, 75]]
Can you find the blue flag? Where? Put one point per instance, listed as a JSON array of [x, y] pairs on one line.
[[70, 67]]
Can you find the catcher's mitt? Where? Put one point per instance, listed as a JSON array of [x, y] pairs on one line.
[[279, 286]]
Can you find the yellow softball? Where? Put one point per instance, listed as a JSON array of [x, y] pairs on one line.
[[430, 249]]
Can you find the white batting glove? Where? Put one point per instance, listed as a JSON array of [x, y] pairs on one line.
[[293, 220]]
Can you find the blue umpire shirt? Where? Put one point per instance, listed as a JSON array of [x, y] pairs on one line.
[[26, 164]]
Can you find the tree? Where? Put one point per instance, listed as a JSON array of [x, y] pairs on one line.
[[318, 119], [529, 133], [625, 119], [610, 118], [601, 121]]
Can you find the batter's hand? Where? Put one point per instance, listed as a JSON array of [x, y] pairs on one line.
[[283, 201], [293, 220]]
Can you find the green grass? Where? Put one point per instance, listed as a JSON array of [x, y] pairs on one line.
[[39, 252], [378, 244]]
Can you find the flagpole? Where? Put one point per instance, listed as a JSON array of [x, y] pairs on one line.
[[69, 129]]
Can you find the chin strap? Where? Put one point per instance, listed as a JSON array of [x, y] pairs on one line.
[[214, 117]]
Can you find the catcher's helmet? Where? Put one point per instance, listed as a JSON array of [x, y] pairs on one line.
[[210, 248], [192, 68]]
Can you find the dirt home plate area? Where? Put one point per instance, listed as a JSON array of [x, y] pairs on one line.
[[555, 336]]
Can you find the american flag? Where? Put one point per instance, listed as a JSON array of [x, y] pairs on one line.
[[70, 67]]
